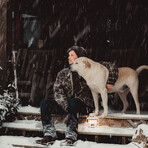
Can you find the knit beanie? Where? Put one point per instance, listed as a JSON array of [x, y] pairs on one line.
[[80, 51]]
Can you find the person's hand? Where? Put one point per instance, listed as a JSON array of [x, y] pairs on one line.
[[109, 86]]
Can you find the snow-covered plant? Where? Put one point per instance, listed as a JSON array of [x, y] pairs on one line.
[[8, 106]]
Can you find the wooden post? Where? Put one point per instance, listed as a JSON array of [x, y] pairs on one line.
[[14, 70], [97, 138], [24, 133], [5, 38], [17, 22], [3, 41], [123, 140]]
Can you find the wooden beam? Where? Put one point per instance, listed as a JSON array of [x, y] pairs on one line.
[[5, 37], [125, 116], [17, 22], [132, 123], [3, 40]]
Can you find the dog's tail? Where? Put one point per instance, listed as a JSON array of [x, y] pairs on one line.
[[140, 68]]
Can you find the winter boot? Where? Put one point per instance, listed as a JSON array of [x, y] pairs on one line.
[[47, 140]]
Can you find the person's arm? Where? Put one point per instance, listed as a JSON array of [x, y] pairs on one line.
[[109, 86], [59, 94], [113, 74], [84, 94]]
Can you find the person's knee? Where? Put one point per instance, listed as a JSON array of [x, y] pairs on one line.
[[46, 102], [73, 105], [43, 102]]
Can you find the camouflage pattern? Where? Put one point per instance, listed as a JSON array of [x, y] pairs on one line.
[[63, 89], [113, 72]]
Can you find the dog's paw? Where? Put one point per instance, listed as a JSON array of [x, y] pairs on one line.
[[137, 113], [93, 114], [104, 115]]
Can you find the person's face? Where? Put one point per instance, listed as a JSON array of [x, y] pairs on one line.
[[72, 57]]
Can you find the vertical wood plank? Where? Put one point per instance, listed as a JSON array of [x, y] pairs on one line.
[[97, 138], [123, 140], [3, 40]]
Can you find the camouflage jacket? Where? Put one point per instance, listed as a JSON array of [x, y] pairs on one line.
[[113, 72], [63, 86], [63, 89]]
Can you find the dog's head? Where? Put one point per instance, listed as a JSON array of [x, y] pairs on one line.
[[80, 65]]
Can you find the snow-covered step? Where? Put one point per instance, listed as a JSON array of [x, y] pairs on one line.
[[112, 114], [115, 124], [105, 130], [127, 116], [32, 125], [138, 140], [29, 110]]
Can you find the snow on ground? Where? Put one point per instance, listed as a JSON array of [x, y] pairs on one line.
[[31, 124], [7, 141]]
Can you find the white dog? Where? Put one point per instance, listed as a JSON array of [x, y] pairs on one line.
[[96, 76]]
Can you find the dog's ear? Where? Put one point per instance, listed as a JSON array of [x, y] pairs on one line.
[[87, 64]]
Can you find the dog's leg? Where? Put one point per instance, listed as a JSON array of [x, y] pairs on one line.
[[134, 93], [123, 96], [105, 102], [96, 100]]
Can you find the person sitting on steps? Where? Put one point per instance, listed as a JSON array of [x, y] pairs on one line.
[[72, 96]]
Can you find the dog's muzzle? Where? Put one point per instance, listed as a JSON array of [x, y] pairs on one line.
[[71, 68]]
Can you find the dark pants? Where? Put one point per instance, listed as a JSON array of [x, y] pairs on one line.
[[49, 106]]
